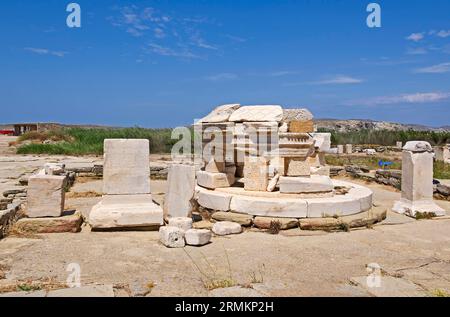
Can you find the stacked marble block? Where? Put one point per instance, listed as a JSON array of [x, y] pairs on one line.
[[417, 181], [258, 144], [127, 200], [46, 192]]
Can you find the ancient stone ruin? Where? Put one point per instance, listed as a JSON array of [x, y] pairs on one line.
[[417, 181], [127, 201], [268, 161], [442, 153]]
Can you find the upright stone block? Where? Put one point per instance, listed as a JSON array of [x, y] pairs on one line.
[[45, 196], [256, 173], [399, 145], [181, 181], [348, 149], [297, 167], [126, 181], [126, 169], [417, 181], [340, 149]]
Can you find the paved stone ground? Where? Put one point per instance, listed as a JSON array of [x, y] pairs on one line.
[[414, 257]]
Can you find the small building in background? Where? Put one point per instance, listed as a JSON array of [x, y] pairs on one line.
[[21, 128]]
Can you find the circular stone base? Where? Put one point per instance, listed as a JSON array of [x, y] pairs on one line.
[[236, 199]]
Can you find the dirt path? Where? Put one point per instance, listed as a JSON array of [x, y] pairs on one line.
[[4, 144], [413, 255]]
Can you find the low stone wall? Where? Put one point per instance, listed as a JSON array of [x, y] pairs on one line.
[[9, 216], [156, 172], [386, 177], [389, 177]]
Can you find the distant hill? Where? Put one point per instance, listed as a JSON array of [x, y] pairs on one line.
[[366, 124]]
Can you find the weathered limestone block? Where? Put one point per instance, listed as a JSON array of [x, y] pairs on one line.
[[417, 181], [126, 168], [220, 114], [172, 237], [399, 145], [322, 170], [214, 180], [184, 223], [333, 206], [54, 169], [225, 228], [257, 113], [69, 223], [301, 126], [285, 223], [323, 141], [126, 211], [273, 183], [45, 196], [297, 115], [256, 173], [215, 167], [198, 237], [180, 192], [214, 200], [442, 153], [258, 206], [242, 219], [349, 148], [297, 167], [298, 185], [340, 149]]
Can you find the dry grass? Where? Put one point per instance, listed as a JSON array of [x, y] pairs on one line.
[[88, 194], [275, 227], [29, 285]]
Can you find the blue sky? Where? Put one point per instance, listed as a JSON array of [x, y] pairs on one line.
[[164, 63]]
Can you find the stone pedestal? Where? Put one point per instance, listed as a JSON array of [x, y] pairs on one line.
[[399, 145], [348, 149], [340, 149], [126, 184], [45, 196], [417, 181], [442, 153], [181, 181], [126, 211]]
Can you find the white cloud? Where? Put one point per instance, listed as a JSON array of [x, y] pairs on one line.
[[414, 98], [283, 73], [435, 69], [417, 51], [45, 51], [339, 80], [222, 77], [416, 37], [167, 51], [443, 33]]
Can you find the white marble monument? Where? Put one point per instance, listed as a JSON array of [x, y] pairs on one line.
[[417, 181], [127, 202]]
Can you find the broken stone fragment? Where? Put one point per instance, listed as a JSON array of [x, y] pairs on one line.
[[184, 223], [257, 114], [172, 237], [220, 114], [273, 183], [226, 228], [69, 223], [197, 237], [266, 222], [242, 219]]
